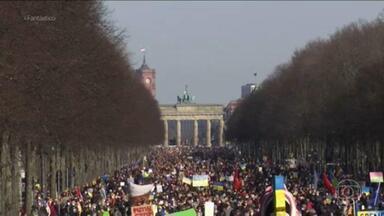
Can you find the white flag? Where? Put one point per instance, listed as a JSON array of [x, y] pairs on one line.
[[142, 50]]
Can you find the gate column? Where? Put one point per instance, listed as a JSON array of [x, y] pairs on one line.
[[209, 144], [195, 133], [165, 133], [178, 133]]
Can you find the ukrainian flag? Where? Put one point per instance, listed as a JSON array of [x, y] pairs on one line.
[[219, 186], [200, 181]]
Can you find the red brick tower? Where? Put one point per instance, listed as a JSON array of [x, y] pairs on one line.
[[147, 76]]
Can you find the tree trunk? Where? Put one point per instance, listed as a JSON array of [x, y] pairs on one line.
[[15, 178], [73, 172], [28, 177], [2, 179], [3, 172], [6, 181], [52, 173]]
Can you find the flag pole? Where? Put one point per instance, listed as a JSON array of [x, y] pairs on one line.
[[377, 194]]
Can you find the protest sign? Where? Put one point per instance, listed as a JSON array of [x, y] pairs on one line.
[[219, 186], [209, 208], [187, 181], [370, 213], [144, 210], [139, 193], [159, 188], [189, 212], [200, 180]]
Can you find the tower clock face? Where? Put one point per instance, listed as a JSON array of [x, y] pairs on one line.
[[147, 81]]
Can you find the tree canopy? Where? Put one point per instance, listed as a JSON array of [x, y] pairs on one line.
[[331, 89], [68, 79]]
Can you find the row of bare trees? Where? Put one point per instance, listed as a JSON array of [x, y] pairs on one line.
[[327, 102], [70, 108]]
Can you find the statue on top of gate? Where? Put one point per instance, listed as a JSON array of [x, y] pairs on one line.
[[186, 98]]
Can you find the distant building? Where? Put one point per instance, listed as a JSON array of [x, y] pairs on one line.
[[147, 76], [230, 108], [247, 89]]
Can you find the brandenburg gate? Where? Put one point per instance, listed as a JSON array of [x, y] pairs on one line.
[[186, 110]]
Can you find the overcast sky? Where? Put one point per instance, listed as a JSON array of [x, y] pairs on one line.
[[215, 47]]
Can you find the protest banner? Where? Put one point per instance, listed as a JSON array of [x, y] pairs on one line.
[[219, 186], [139, 190], [139, 193], [187, 181], [376, 177], [200, 180], [144, 210], [189, 212], [370, 213]]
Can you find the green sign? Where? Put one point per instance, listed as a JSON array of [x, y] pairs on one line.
[[189, 212]]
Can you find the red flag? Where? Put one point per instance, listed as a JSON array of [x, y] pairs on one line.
[[237, 181], [328, 184]]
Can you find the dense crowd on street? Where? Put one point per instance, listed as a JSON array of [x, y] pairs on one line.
[[243, 181]]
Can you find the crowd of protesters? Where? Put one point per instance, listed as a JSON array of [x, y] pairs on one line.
[[242, 182]]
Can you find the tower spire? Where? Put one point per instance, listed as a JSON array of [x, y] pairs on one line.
[[144, 59], [142, 50]]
